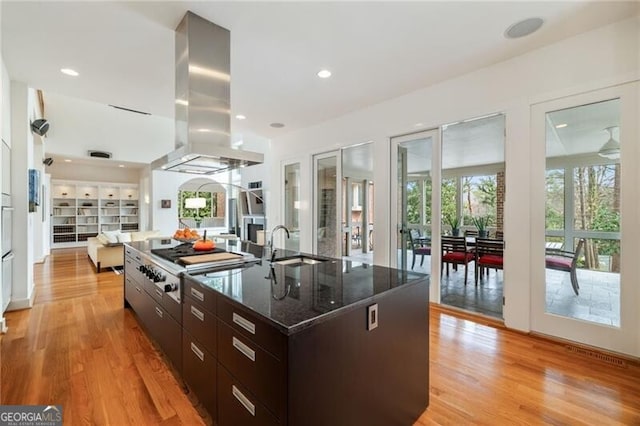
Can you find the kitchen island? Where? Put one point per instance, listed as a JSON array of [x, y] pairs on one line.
[[290, 342]]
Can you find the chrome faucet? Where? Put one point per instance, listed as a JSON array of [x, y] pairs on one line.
[[273, 250]]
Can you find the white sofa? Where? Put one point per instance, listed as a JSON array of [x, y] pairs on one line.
[[105, 254]]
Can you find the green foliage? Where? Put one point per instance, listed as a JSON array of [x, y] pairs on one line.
[[208, 211], [413, 202], [481, 222], [448, 196], [453, 221]]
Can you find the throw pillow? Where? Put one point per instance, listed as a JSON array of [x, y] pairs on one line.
[[102, 239], [112, 236]]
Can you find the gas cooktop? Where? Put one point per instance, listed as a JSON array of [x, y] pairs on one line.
[[174, 254]]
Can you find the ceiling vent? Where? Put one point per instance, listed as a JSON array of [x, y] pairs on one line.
[[99, 154]]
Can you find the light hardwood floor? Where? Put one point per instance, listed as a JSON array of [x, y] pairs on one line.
[[78, 347]]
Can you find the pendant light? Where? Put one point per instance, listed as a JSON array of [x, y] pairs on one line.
[[611, 149]]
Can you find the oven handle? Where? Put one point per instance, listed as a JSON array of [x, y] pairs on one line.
[[10, 256]]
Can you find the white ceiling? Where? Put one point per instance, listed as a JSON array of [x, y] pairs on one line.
[[376, 50]]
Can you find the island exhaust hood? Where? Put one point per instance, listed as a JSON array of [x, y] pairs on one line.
[[203, 111]]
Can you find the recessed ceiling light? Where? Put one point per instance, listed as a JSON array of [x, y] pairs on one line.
[[523, 28], [69, 71], [560, 126], [324, 73], [277, 125], [67, 160], [240, 117], [120, 165]]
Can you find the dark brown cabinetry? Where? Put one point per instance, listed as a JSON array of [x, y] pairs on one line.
[[246, 368], [159, 314], [199, 343], [199, 371]]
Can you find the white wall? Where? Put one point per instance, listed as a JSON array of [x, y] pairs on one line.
[[22, 111], [164, 186], [5, 132], [78, 126], [599, 58], [93, 173]]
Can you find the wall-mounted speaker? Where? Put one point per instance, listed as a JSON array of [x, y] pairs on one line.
[[99, 154], [40, 127], [47, 161]]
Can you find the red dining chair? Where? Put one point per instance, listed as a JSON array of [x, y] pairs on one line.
[[489, 255], [454, 251]]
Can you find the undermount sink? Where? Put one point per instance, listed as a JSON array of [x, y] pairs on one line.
[[298, 261]]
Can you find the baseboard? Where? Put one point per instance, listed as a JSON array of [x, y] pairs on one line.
[[3, 325], [17, 305]]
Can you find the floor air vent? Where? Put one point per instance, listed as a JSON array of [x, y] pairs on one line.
[[609, 359], [99, 154]]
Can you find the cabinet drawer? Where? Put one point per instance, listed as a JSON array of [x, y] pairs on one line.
[[168, 303], [133, 292], [252, 327], [200, 323], [237, 406], [199, 371], [167, 332], [202, 295], [259, 371], [131, 269]]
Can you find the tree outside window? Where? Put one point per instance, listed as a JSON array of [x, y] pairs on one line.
[[209, 210]]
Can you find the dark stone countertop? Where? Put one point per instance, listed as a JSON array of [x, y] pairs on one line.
[[295, 297]]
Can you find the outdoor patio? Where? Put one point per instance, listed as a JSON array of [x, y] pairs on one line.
[[599, 299]]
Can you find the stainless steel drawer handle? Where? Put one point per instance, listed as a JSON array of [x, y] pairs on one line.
[[197, 313], [197, 294], [159, 312], [244, 349], [159, 293], [196, 350], [138, 258], [243, 400], [128, 261], [138, 289], [244, 323]]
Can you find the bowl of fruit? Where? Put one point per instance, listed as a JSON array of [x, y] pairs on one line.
[[186, 235]]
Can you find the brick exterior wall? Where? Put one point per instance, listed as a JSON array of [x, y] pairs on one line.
[[500, 187]]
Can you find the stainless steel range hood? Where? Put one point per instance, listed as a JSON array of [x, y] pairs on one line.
[[203, 122]]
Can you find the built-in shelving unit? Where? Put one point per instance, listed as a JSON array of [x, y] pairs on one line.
[[80, 210]]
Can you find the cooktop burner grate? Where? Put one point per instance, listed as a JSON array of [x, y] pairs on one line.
[[186, 249]]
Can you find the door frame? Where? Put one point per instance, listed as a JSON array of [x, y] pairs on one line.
[[436, 226], [316, 197], [626, 338]]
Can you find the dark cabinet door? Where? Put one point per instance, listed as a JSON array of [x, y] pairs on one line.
[[237, 406], [252, 327], [200, 294], [133, 293], [199, 322], [199, 371], [167, 333], [255, 368]]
